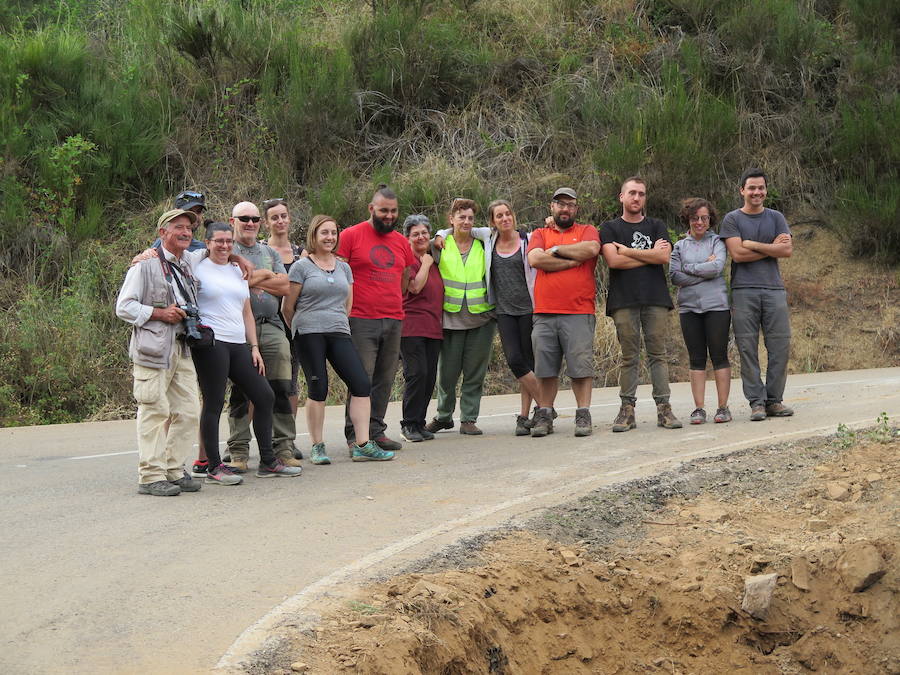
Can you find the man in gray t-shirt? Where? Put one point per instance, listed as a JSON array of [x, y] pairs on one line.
[[756, 237]]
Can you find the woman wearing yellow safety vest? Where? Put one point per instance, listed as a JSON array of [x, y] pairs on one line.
[[468, 322]]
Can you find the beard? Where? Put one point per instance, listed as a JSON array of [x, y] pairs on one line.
[[564, 224], [380, 226]]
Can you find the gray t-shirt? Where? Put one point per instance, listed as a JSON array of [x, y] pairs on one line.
[[322, 304], [762, 227], [264, 305], [510, 288]]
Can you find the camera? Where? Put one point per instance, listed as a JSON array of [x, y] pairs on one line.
[[191, 322]]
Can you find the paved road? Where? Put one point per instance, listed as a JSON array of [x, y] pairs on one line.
[[97, 579]]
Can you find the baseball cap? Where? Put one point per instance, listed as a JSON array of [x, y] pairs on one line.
[[189, 199], [565, 192], [168, 216]]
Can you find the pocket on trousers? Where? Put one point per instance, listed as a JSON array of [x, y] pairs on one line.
[[146, 385]]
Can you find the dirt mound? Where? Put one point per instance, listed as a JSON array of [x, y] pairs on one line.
[[682, 599]]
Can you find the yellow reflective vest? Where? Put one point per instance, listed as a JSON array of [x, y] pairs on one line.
[[464, 280]]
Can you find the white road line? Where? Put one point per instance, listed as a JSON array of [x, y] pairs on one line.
[[105, 454]]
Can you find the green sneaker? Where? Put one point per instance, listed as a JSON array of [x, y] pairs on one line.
[[370, 452], [318, 456]]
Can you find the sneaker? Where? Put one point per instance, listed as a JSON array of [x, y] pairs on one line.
[[523, 426], [426, 435], [583, 422], [236, 464], [318, 456], [199, 469], [437, 425], [665, 418], [469, 429], [722, 415], [757, 412], [370, 452], [386, 443], [543, 423], [160, 488], [223, 475], [278, 469], [698, 416], [778, 409], [625, 419], [186, 484], [411, 433]]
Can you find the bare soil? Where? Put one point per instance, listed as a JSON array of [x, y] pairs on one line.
[[649, 576]]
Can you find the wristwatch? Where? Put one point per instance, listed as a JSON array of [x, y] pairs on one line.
[[553, 250]]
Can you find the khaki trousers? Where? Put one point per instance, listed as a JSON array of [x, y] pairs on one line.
[[162, 394]]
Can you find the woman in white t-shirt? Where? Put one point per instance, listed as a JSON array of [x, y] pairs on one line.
[[224, 303]]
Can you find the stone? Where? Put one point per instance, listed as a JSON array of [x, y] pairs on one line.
[[569, 557], [800, 572], [812, 650], [860, 566], [816, 524], [758, 564], [872, 478], [758, 592], [837, 491], [855, 609], [625, 601], [299, 667]]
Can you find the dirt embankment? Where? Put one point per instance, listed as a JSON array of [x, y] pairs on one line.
[[781, 559]]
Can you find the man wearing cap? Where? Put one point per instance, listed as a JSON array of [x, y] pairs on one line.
[[564, 253], [637, 248], [189, 200], [268, 283], [165, 382]]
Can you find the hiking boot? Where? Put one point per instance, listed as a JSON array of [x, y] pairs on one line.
[[290, 461], [186, 484], [625, 419], [370, 452], [199, 469], [237, 464], [757, 412], [223, 475], [426, 435], [543, 424], [523, 426], [160, 488], [411, 433], [583, 423], [386, 443], [297, 453], [698, 416], [469, 429], [665, 418], [778, 409], [318, 456], [437, 425], [278, 470], [722, 415]]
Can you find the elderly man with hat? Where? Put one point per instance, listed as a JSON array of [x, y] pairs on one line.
[[191, 200]]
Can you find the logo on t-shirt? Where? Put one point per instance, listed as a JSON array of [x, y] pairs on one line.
[[641, 241], [382, 257]]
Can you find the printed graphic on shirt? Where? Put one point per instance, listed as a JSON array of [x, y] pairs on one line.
[[382, 258], [641, 242]]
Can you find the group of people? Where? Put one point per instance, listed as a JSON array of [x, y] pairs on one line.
[[367, 298]]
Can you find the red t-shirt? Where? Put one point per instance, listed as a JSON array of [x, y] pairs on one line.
[[425, 309], [377, 261], [570, 291]]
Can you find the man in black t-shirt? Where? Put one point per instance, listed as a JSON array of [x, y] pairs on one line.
[[636, 248]]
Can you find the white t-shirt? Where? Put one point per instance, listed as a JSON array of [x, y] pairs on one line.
[[221, 299]]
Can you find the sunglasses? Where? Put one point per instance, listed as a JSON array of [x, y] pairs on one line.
[[190, 194], [277, 201], [248, 219]]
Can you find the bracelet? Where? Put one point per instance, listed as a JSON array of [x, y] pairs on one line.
[[252, 346]]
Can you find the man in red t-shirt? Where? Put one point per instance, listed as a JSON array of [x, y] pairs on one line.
[[379, 257], [564, 254]]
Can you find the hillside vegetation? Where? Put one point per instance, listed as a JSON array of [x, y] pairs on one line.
[[108, 108]]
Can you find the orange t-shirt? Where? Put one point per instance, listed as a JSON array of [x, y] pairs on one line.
[[570, 291]]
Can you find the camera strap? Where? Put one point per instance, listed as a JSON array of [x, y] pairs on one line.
[[168, 268]]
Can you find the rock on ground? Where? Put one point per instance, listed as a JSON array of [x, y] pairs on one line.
[[860, 566]]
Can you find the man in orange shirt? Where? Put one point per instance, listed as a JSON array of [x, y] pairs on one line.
[[564, 254]]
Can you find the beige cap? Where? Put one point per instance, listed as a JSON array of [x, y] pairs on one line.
[[565, 192], [168, 216]]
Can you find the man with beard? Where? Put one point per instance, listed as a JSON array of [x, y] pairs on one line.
[[637, 248], [564, 254], [379, 257]]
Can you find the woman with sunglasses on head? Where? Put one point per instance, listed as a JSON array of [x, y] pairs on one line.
[[695, 267], [316, 307], [224, 304]]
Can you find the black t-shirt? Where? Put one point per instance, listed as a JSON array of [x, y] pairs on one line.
[[641, 286]]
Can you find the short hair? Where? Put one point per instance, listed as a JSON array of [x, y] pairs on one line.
[[493, 207], [754, 172], [413, 220], [384, 192], [632, 179], [272, 203], [212, 228], [314, 225], [461, 204], [690, 206]]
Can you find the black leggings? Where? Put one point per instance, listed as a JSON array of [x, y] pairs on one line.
[[314, 348], [515, 336], [706, 332], [232, 361]]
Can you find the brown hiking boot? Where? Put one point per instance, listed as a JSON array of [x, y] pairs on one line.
[[625, 419], [543, 423], [437, 425], [778, 410], [469, 429], [665, 417], [583, 424]]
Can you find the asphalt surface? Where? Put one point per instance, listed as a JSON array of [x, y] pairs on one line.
[[99, 579]]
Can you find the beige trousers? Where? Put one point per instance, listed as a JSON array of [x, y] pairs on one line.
[[161, 394]]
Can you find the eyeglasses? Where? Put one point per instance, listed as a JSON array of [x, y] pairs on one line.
[[248, 219], [277, 201], [223, 242], [190, 194], [565, 205], [699, 219]]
